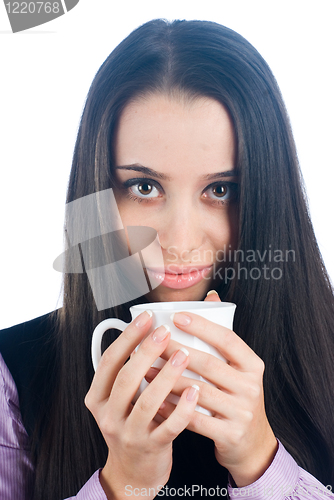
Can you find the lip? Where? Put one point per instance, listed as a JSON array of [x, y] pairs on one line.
[[174, 270], [182, 279]]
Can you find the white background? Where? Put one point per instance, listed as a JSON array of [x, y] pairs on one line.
[[45, 76]]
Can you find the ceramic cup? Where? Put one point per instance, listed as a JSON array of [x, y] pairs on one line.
[[221, 313]]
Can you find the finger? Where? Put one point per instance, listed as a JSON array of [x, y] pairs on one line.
[[220, 430], [211, 397], [232, 347], [211, 427], [153, 372], [208, 366], [212, 296], [132, 373], [217, 400], [156, 392], [178, 420], [166, 409], [115, 356]]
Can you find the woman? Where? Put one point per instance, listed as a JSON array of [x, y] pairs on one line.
[[185, 122]]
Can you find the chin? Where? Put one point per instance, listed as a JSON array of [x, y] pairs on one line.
[[163, 294]]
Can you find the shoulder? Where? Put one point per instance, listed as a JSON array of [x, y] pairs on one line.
[[28, 350], [22, 345], [29, 330]]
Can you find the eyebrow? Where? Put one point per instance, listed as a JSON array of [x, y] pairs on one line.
[[160, 175]]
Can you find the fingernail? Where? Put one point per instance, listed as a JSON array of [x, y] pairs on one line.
[[162, 406], [143, 318], [192, 393], [181, 319], [180, 356], [160, 333], [211, 292]]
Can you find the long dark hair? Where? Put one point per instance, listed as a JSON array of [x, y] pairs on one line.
[[285, 315]]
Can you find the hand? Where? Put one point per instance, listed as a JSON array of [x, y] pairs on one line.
[[140, 449], [244, 441]]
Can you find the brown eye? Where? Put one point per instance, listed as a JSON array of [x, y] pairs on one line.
[[219, 191], [145, 188]]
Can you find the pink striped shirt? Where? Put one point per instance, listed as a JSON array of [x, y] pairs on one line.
[[284, 479]]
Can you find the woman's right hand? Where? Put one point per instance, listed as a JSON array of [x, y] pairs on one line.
[[140, 449]]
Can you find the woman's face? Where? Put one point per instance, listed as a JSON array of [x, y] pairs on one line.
[[175, 173]]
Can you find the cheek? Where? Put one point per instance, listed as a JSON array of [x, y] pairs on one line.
[[223, 229], [232, 224], [127, 210], [135, 217]]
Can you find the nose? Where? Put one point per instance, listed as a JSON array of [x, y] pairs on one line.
[[181, 232]]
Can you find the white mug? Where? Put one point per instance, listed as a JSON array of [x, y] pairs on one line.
[[221, 313]]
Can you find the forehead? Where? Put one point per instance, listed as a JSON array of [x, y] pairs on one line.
[[175, 131]]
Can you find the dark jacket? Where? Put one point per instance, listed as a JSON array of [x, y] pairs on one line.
[[29, 350]]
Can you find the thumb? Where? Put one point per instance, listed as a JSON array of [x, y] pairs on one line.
[[212, 296]]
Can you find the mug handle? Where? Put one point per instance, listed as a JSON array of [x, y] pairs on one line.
[[98, 334]]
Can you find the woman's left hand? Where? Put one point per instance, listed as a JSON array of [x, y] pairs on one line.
[[244, 441]]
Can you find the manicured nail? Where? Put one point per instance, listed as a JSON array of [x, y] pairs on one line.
[[180, 356], [143, 318], [211, 292], [192, 393], [181, 319], [160, 333]]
